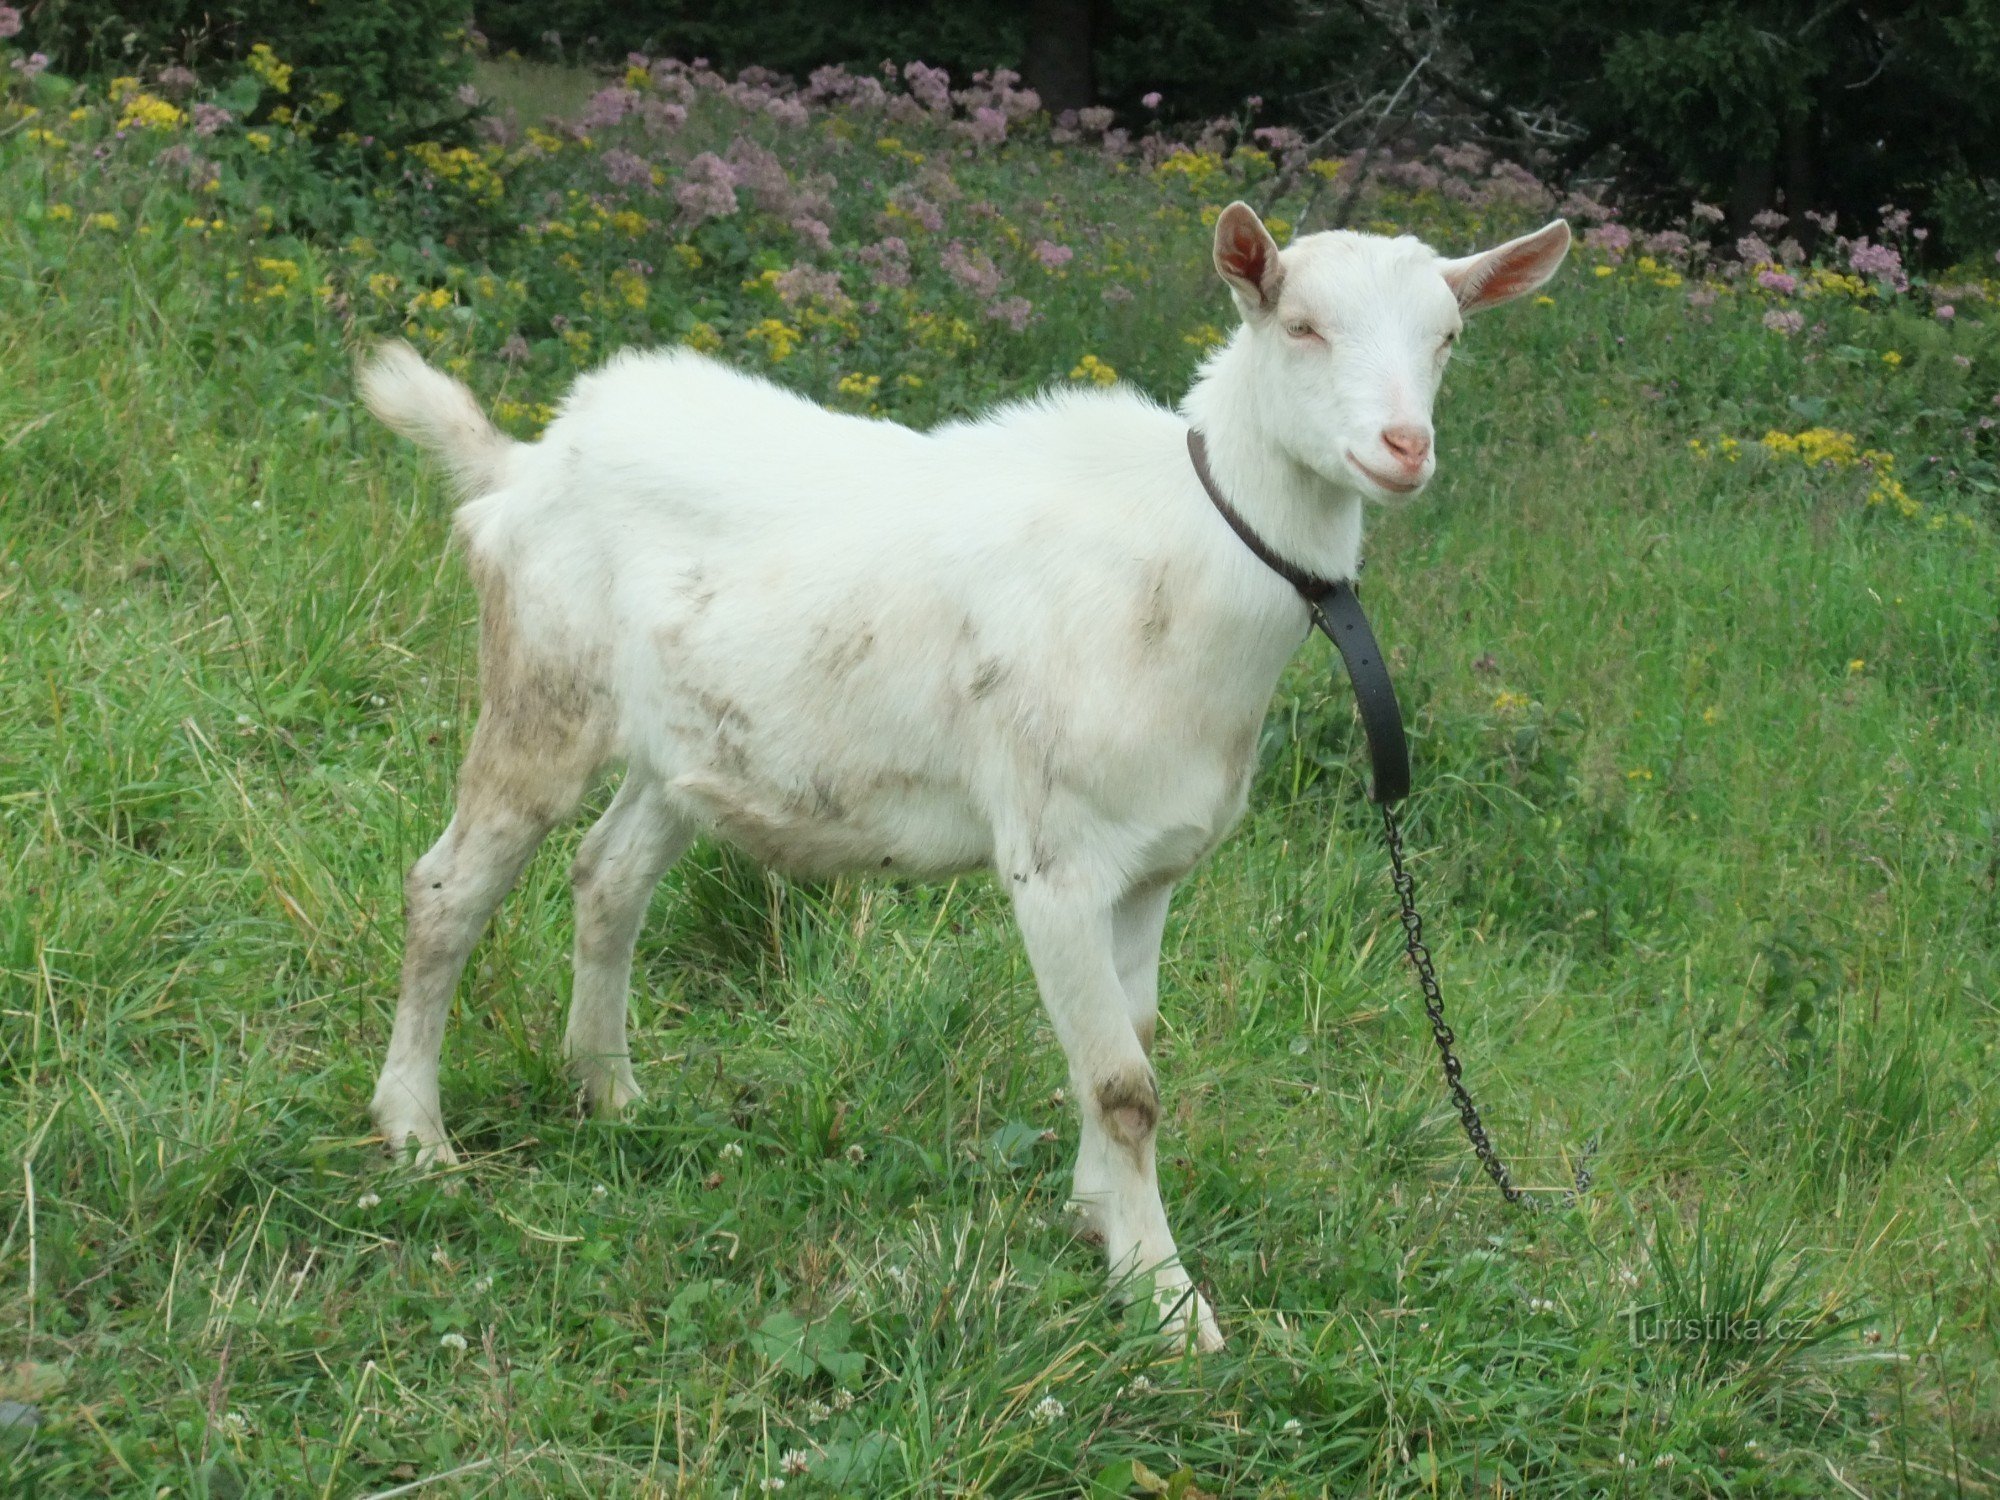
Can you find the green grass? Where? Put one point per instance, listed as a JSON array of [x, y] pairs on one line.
[[1705, 834]]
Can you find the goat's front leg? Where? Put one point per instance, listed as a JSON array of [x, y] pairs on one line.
[[1070, 931]]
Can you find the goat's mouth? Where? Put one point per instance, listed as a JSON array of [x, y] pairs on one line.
[[1383, 481]]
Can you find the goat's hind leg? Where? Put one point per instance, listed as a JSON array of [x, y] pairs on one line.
[[508, 800], [621, 859]]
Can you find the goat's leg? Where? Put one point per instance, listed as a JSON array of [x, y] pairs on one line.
[[1070, 932], [509, 797], [621, 859], [1136, 924]]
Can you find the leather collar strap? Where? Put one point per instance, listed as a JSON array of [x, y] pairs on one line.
[[1336, 612]]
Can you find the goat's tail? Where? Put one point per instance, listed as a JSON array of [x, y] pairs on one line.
[[436, 412]]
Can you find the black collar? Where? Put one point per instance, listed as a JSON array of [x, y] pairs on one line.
[[1336, 612], [1310, 585]]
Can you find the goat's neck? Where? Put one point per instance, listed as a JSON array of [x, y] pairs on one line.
[[1308, 520]]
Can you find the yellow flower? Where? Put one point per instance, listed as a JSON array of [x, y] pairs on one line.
[[631, 287], [118, 88], [61, 212], [1641, 774], [1855, 666], [689, 256], [279, 275], [1204, 336], [258, 139], [1711, 715], [1094, 370], [102, 221], [1604, 270], [1545, 301], [703, 339], [150, 112], [629, 222], [47, 138], [1326, 169], [860, 386], [382, 284], [264, 63], [1891, 358], [1510, 702], [779, 339]]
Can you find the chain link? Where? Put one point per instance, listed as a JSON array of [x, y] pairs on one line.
[[1446, 1039]]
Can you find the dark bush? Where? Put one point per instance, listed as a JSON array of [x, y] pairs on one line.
[[382, 68]]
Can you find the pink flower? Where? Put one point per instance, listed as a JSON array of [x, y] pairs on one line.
[[608, 107], [1052, 255], [1753, 250], [1707, 213], [1946, 313], [971, 268], [813, 232], [1879, 261], [1152, 100], [930, 87], [468, 95], [789, 113], [1778, 281], [987, 127], [1013, 311], [1615, 238], [889, 260], [806, 284], [10, 22], [209, 118], [1786, 323], [707, 189], [627, 169]]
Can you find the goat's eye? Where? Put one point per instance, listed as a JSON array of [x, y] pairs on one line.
[[1445, 343], [1300, 329]]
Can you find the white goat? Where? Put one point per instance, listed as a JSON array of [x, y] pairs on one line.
[[1027, 642]]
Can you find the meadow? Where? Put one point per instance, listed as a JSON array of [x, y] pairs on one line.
[[1696, 633]]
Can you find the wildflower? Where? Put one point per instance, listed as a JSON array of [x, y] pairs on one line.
[[10, 22], [454, 1342], [731, 1151], [626, 168], [1539, 1305], [1857, 665], [1945, 313], [368, 1200], [631, 288], [150, 112], [794, 1462], [1510, 702], [703, 339], [1614, 238], [482, 1285], [1048, 1410], [30, 67], [842, 1400], [1709, 715], [971, 268], [277, 76], [1604, 270], [771, 1485], [1292, 1427], [102, 221], [1880, 261], [258, 138], [1053, 256], [209, 118], [599, 1190], [1545, 301], [1095, 370], [1777, 281], [708, 188], [1784, 322], [1638, 774], [1013, 311], [861, 388], [1891, 358]]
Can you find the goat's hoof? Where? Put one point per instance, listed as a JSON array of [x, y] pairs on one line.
[[417, 1151], [1184, 1310], [608, 1098]]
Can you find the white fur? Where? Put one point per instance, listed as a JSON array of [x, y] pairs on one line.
[[1026, 643]]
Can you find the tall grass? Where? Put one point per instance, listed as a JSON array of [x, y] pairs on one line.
[[1704, 832]]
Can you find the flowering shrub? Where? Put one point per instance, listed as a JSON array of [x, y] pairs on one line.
[[858, 228]]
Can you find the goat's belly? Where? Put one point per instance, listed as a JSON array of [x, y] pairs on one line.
[[838, 826]]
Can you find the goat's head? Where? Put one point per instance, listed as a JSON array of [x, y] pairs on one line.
[[1347, 337]]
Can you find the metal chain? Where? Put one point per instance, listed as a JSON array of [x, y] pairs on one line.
[[1441, 1032]]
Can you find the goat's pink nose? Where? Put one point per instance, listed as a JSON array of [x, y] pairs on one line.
[[1412, 445]]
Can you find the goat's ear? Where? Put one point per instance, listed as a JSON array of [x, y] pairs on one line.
[[1247, 258], [1508, 271]]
